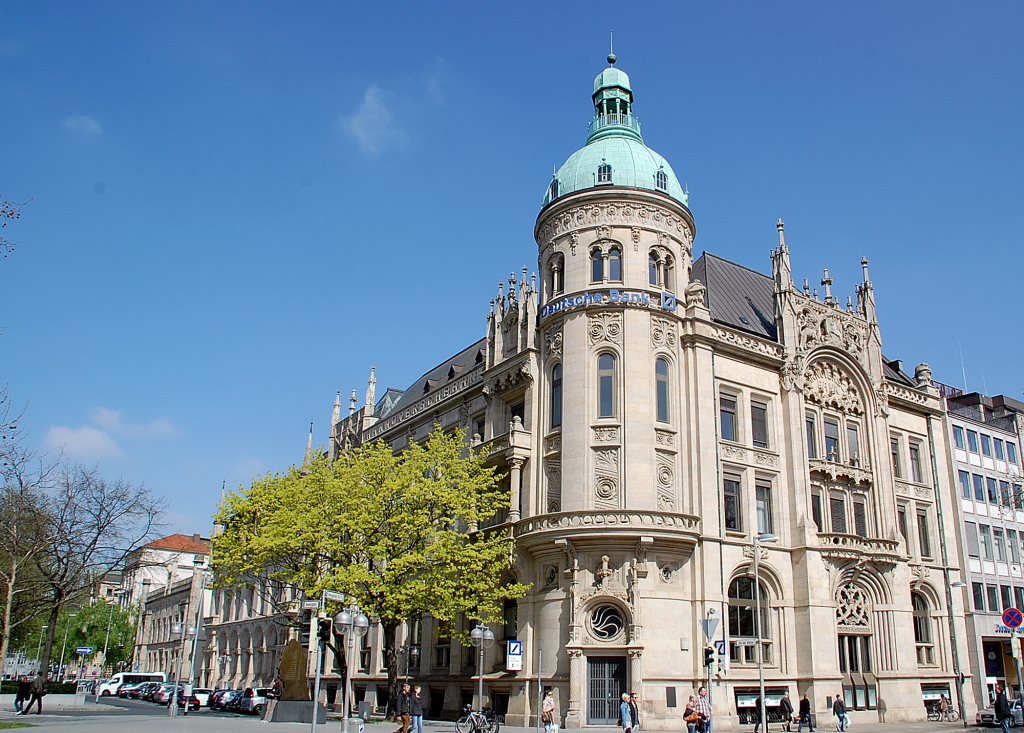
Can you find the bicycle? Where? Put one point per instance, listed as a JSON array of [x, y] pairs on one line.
[[950, 716], [477, 721]]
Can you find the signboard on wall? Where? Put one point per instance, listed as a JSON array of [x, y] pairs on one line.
[[514, 656]]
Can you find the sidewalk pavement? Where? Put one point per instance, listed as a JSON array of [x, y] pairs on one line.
[[122, 721]]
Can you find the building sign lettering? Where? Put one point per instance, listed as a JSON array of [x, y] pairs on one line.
[[610, 297]]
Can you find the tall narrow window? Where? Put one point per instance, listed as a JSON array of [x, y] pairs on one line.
[[1011, 541], [837, 512], [993, 598], [596, 266], [816, 510], [853, 443], [973, 548], [978, 591], [965, 484], [860, 517], [666, 274], [979, 487], [831, 440], [764, 506], [553, 190], [604, 173], [1011, 452], [615, 264], [1000, 542], [986, 445], [556, 396], [958, 437], [922, 630], [916, 473], [986, 541], [652, 269], [733, 512], [993, 491], [727, 407], [972, 441], [1006, 593], [1018, 593], [998, 445], [812, 436], [759, 424], [606, 378], [894, 448], [661, 377], [661, 180], [922, 533], [901, 518], [1004, 493]]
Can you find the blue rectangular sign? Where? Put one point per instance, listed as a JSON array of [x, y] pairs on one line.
[[515, 648], [84, 650]]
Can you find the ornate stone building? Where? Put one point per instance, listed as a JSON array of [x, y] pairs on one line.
[[653, 414]]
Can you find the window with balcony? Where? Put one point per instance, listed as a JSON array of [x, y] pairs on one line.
[[958, 437], [727, 412]]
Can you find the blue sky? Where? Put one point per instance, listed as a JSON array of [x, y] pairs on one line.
[[238, 208]]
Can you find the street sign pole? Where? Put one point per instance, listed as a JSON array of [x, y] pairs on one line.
[[319, 654], [1012, 618]]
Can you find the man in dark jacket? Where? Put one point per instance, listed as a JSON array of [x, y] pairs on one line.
[[38, 690], [634, 710], [839, 710], [24, 692], [757, 714], [805, 715], [404, 708], [1004, 714], [786, 709]]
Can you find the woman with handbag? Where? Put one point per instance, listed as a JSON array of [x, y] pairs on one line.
[[690, 715], [547, 711]]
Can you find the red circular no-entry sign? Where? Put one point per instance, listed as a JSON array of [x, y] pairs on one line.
[[1012, 617]]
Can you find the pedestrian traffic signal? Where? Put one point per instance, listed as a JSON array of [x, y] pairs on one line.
[[324, 630], [709, 656]]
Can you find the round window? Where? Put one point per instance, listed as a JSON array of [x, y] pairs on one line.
[[606, 623]]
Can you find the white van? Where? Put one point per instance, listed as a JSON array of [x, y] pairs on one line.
[[111, 686]]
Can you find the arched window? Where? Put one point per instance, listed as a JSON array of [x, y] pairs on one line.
[[606, 385], [743, 621], [604, 173], [553, 190], [615, 264], [923, 629], [596, 266], [660, 180], [556, 396], [557, 276], [652, 269], [661, 379], [667, 278]]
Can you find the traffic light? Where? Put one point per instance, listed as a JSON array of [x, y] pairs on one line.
[[709, 656], [305, 618], [324, 630]]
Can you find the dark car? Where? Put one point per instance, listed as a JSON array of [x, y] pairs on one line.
[[127, 690], [193, 701], [211, 701], [233, 701], [139, 692], [220, 699]]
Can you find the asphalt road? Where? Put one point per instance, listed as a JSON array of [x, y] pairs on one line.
[[141, 707]]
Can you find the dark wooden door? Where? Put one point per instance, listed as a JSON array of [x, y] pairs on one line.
[[607, 683]]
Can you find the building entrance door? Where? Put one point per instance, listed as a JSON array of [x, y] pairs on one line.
[[607, 683]]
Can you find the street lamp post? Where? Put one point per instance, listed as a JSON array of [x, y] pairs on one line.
[[186, 631], [39, 648], [482, 638], [758, 540], [350, 623], [110, 619], [60, 668]]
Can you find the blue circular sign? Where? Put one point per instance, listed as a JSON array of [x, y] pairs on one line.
[[1012, 617]]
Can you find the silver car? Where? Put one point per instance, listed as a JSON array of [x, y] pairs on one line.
[[988, 715], [254, 700]]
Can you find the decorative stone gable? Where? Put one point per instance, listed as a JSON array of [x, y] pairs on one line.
[[830, 386]]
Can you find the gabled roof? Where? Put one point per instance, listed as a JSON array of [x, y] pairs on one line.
[[737, 296], [387, 403], [893, 371], [181, 543], [438, 376]]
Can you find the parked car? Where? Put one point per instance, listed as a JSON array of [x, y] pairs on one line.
[[153, 693], [233, 701], [163, 695], [127, 690], [202, 695], [219, 699], [141, 692], [215, 697], [128, 679], [988, 715], [193, 701], [254, 700]]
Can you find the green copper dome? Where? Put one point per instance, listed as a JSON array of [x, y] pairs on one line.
[[615, 154]]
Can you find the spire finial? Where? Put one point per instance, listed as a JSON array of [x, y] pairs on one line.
[[827, 282], [864, 267], [780, 225], [611, 48]]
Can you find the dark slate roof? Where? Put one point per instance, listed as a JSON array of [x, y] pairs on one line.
[[893, 371], [737, 296], [439, 375]]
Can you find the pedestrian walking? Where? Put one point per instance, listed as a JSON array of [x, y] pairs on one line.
[[757, 714], [273, 695], [704, 710], [403, 708], [1004, 714], [690, 715], [547, 711], [786, 709], [24, 692], [839, 710], [624, 714], [943, 708], [634, 711], [805, 715], [416, 709], [38, 690]]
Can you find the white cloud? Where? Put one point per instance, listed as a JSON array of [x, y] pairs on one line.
[[81, 124], [373, 124], [86, 442], [110, 420]]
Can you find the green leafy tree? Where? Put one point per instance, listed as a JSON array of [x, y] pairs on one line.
[[399, 533], [89, 628]]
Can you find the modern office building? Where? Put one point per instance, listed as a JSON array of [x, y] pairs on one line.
[[985, 443]]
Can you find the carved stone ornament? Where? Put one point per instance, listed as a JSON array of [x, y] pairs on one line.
[[748, 552], [695, 294], [920, 573], [605, 327], [852, 607], [591, 215], [553, 444], [663, 333], [604, 232], [606, 435], [636, 238], [665, 438], [510, 378], [823, 325], [553, 340], [553, 474], [748, 342], [793, 373], [666, 482], [830, 386], [464, 411], [734, 452], [550, 576], [606, 478], [574, 240]]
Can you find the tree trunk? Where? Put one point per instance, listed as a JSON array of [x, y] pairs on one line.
[[8, 603], [391, 659], [51, 632]]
